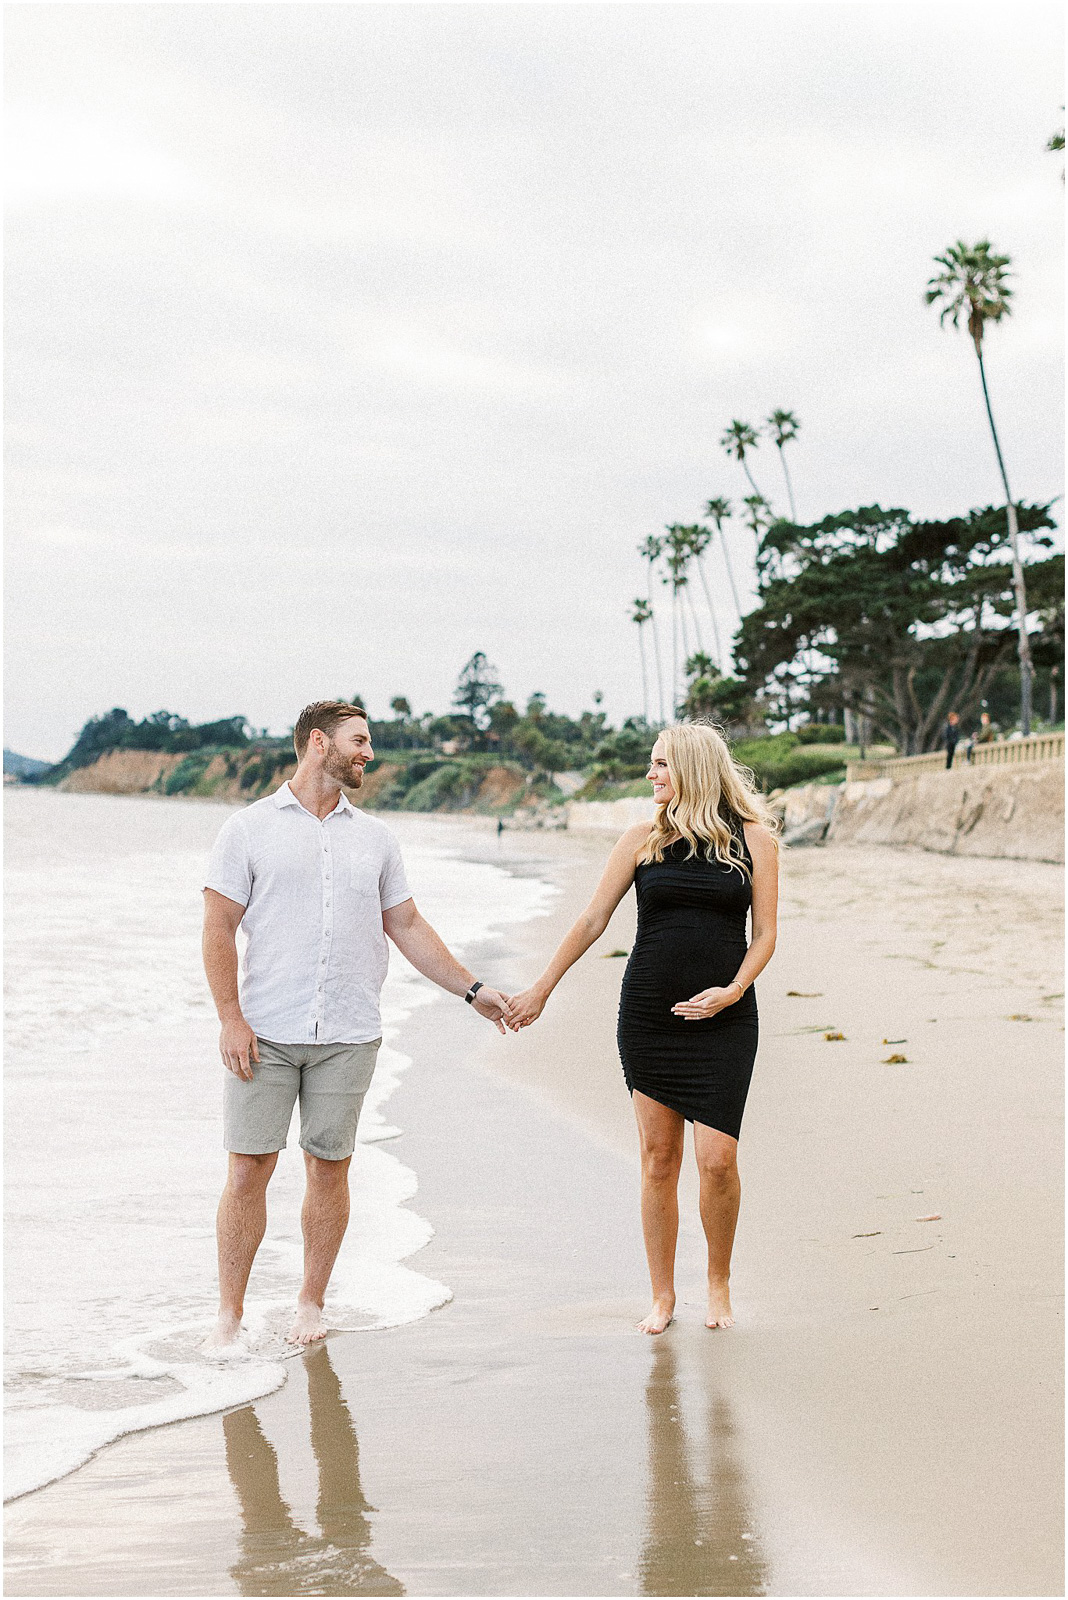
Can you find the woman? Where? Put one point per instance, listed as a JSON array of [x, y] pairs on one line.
[[687, 1014]]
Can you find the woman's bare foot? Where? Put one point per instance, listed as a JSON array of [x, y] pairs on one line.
[[225, 1338], [660, 1316], [720, 1314], [308, 1324]]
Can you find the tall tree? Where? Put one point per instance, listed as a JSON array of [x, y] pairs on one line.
[[681, 552], [402, 711], [758, 517], [910, 620], [783, 426], [650, 550], [642, 613], [972, 284], [477, 689], [737, 440], [719, 510], [699, 538], [677, 556]]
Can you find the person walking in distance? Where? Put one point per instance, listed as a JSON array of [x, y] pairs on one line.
[[951, 737], [317, 887]]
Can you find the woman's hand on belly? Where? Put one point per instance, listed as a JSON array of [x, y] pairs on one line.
[[706, 1004]]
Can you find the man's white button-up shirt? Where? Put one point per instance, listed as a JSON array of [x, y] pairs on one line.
[[314, 893]]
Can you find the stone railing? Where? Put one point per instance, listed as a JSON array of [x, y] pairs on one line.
[[1037, 747]]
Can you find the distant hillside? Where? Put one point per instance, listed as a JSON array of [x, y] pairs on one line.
[[24, 766], [497, 762]]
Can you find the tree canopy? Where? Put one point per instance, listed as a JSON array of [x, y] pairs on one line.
[[911, 619]]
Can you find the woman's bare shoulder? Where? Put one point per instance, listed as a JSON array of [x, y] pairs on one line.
[[760, 839], [632, 841], [637, 833]]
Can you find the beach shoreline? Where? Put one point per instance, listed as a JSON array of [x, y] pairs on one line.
[[871, 1426]]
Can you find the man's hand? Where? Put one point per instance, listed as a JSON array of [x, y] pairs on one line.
[[237, 1043], [492, 1005]]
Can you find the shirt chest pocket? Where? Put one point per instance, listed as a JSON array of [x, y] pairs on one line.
[[362, 878]]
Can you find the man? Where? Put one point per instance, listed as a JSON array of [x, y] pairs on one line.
[[986, 733], [317, 886], [951, 737]]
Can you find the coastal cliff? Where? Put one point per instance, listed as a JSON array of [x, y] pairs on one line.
[[1016, 812]]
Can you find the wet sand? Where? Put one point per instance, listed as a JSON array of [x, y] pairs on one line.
[[885, 1417]]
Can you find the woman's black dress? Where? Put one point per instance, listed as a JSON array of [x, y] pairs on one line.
[[691, 936]]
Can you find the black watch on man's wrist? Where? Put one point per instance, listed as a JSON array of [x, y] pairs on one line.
[[470, 995]]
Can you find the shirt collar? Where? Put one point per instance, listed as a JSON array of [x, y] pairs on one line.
[[285, 797]]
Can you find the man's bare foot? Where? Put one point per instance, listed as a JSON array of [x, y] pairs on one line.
[[225, 1339], [308, 1324], [720, 1314], [660, 1316]]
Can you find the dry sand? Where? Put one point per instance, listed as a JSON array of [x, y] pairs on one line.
[[885, 1417]]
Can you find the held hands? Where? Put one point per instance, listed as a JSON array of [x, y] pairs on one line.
[[492, 1005], [707, 1003], [525, 1008], [237, 1043]]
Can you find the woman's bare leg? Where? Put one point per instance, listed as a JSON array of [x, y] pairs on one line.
[[661, 1134], [721, 1193]]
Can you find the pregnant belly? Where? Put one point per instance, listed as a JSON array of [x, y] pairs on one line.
[[672, 964]]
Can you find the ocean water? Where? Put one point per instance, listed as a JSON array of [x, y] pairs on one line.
[[113, 1160]]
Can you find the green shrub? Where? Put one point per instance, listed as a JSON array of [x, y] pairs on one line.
[[262, 768], [773, 747], [415, 771], [598, 787], [188, 773], [450, 785], [795, 766], [821, 733]]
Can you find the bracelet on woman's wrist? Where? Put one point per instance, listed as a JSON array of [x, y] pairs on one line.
[[734, 984]]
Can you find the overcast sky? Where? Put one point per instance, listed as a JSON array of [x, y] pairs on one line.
[[345, 340]]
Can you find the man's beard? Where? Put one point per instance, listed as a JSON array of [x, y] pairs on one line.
[[342, 769]]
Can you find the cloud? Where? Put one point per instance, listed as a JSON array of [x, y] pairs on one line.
[[54, 155]]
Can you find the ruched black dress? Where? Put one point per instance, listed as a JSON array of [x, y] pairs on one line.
[[691, 936]]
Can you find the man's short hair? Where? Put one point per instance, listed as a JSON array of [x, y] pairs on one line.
[[327, 716]]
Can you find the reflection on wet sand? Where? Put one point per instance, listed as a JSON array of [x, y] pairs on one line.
[[277, 1556], [699, 1537]]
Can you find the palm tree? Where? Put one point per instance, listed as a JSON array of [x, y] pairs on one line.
[[719, 510], [680, 543], [758, 518], [699, 539], [402, 709], [972, 283], [737, 439], [641, 614], [651, 550], [676, 559], [783, 426]]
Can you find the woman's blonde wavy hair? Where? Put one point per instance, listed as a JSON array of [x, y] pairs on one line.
[[711, 791]]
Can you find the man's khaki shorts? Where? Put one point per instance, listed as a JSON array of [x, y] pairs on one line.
[[329, 1079]]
